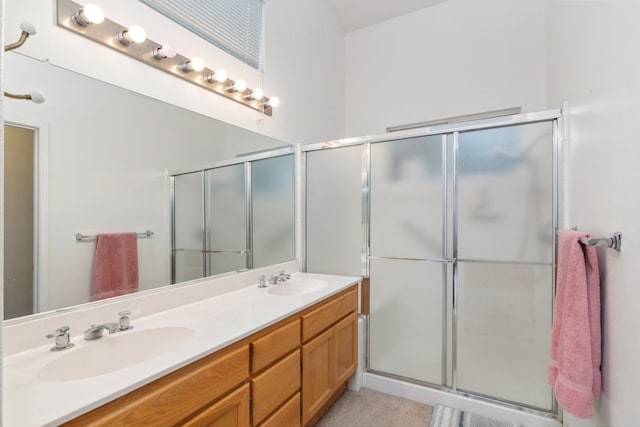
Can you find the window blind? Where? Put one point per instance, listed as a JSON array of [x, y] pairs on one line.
[[235, 26]]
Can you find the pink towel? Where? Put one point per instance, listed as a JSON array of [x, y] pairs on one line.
[[574, 370], [115, 271]]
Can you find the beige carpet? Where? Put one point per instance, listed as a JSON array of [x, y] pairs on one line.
[[368, 408]]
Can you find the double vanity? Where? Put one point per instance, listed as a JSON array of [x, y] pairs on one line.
[[250, 355]]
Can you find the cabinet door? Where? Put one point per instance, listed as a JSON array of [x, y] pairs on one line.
[[345, 348], [317, 374], [231, 411]]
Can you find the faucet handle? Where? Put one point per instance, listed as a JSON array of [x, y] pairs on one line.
[[62, 339], [123, 322], [262, 281]]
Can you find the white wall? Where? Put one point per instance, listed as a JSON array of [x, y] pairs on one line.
[[457, 57], [304, 64], [594, 64]]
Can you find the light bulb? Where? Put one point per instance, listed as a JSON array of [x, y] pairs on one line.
[[37, 97], [238, 86], [165, 51], [256, 94], [28, 27], [273, 102], [89, 14], [193, 64], [134, 34], [218, 76]]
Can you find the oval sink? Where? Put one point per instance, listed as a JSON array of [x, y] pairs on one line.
[[113, 352], [297, 287]]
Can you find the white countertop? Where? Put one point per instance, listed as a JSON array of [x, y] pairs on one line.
[[217, 322]]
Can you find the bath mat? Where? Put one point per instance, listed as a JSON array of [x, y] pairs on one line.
[[443, 416]]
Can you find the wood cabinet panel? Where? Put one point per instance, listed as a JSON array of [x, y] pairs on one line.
[[273, 346], [275, 385], [287, 416], [317, 374], [346, 348], [231, 411], [326, 315], [173, 397]]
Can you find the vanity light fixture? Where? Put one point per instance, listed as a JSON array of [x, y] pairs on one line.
[[217, 76], [133, 34], [28, 29], [89, 21], [256, 94], [165, 51], [193, 64], [237, 86], [89, 14]]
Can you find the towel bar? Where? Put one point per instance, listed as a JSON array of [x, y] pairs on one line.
[[82, 237], [613, 241]]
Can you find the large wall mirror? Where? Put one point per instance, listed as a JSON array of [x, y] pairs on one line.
[[96, 158]]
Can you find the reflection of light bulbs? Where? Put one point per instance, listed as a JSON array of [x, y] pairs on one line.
[[238, 86], [134, 34], [256, 94], [193, 64], [89, 14], [165, 51], [273, 102], [218, 76]]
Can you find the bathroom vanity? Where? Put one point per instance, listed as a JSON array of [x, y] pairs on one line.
[[257, 356]]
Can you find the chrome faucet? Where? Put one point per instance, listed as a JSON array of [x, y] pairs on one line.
[[262, 282], [279, 278], [95, 331], [63, 341]]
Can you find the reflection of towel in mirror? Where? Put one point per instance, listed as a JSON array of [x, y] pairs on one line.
[[115, 270], [574, 370]]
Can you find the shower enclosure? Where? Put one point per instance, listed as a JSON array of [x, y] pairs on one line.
[[454, 226], [233, 215]]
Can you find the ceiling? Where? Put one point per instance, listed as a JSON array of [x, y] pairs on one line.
[[356, 14]]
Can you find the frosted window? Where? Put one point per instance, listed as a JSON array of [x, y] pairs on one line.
[[272, 187], [407, 198], [506, 194], [406, 319], [334, 211], [504, 331], [188, 227]]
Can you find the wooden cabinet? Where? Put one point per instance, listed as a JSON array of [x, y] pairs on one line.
[[284, 375], [329, 359], [230, 411], [177, 396]]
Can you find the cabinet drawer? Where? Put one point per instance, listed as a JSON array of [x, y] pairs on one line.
[[273, 346], [176, 396], [274, 386], [288, 415], [230, 411], [321, 318]]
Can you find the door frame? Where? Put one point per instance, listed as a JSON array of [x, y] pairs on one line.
[[41, 204]]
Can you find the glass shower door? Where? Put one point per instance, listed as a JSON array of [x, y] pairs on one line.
[[504, 263], [188, 233], [226, 219], [407, 258]]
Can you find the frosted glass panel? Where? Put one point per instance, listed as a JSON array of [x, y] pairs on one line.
[[226, 219], [334, 211], [406, 307], [272, 187], [188, 227], [505, 193], [225, 262], [407, 198], [504, 331]]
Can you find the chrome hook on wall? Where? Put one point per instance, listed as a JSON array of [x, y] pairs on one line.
[[28, 29]]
